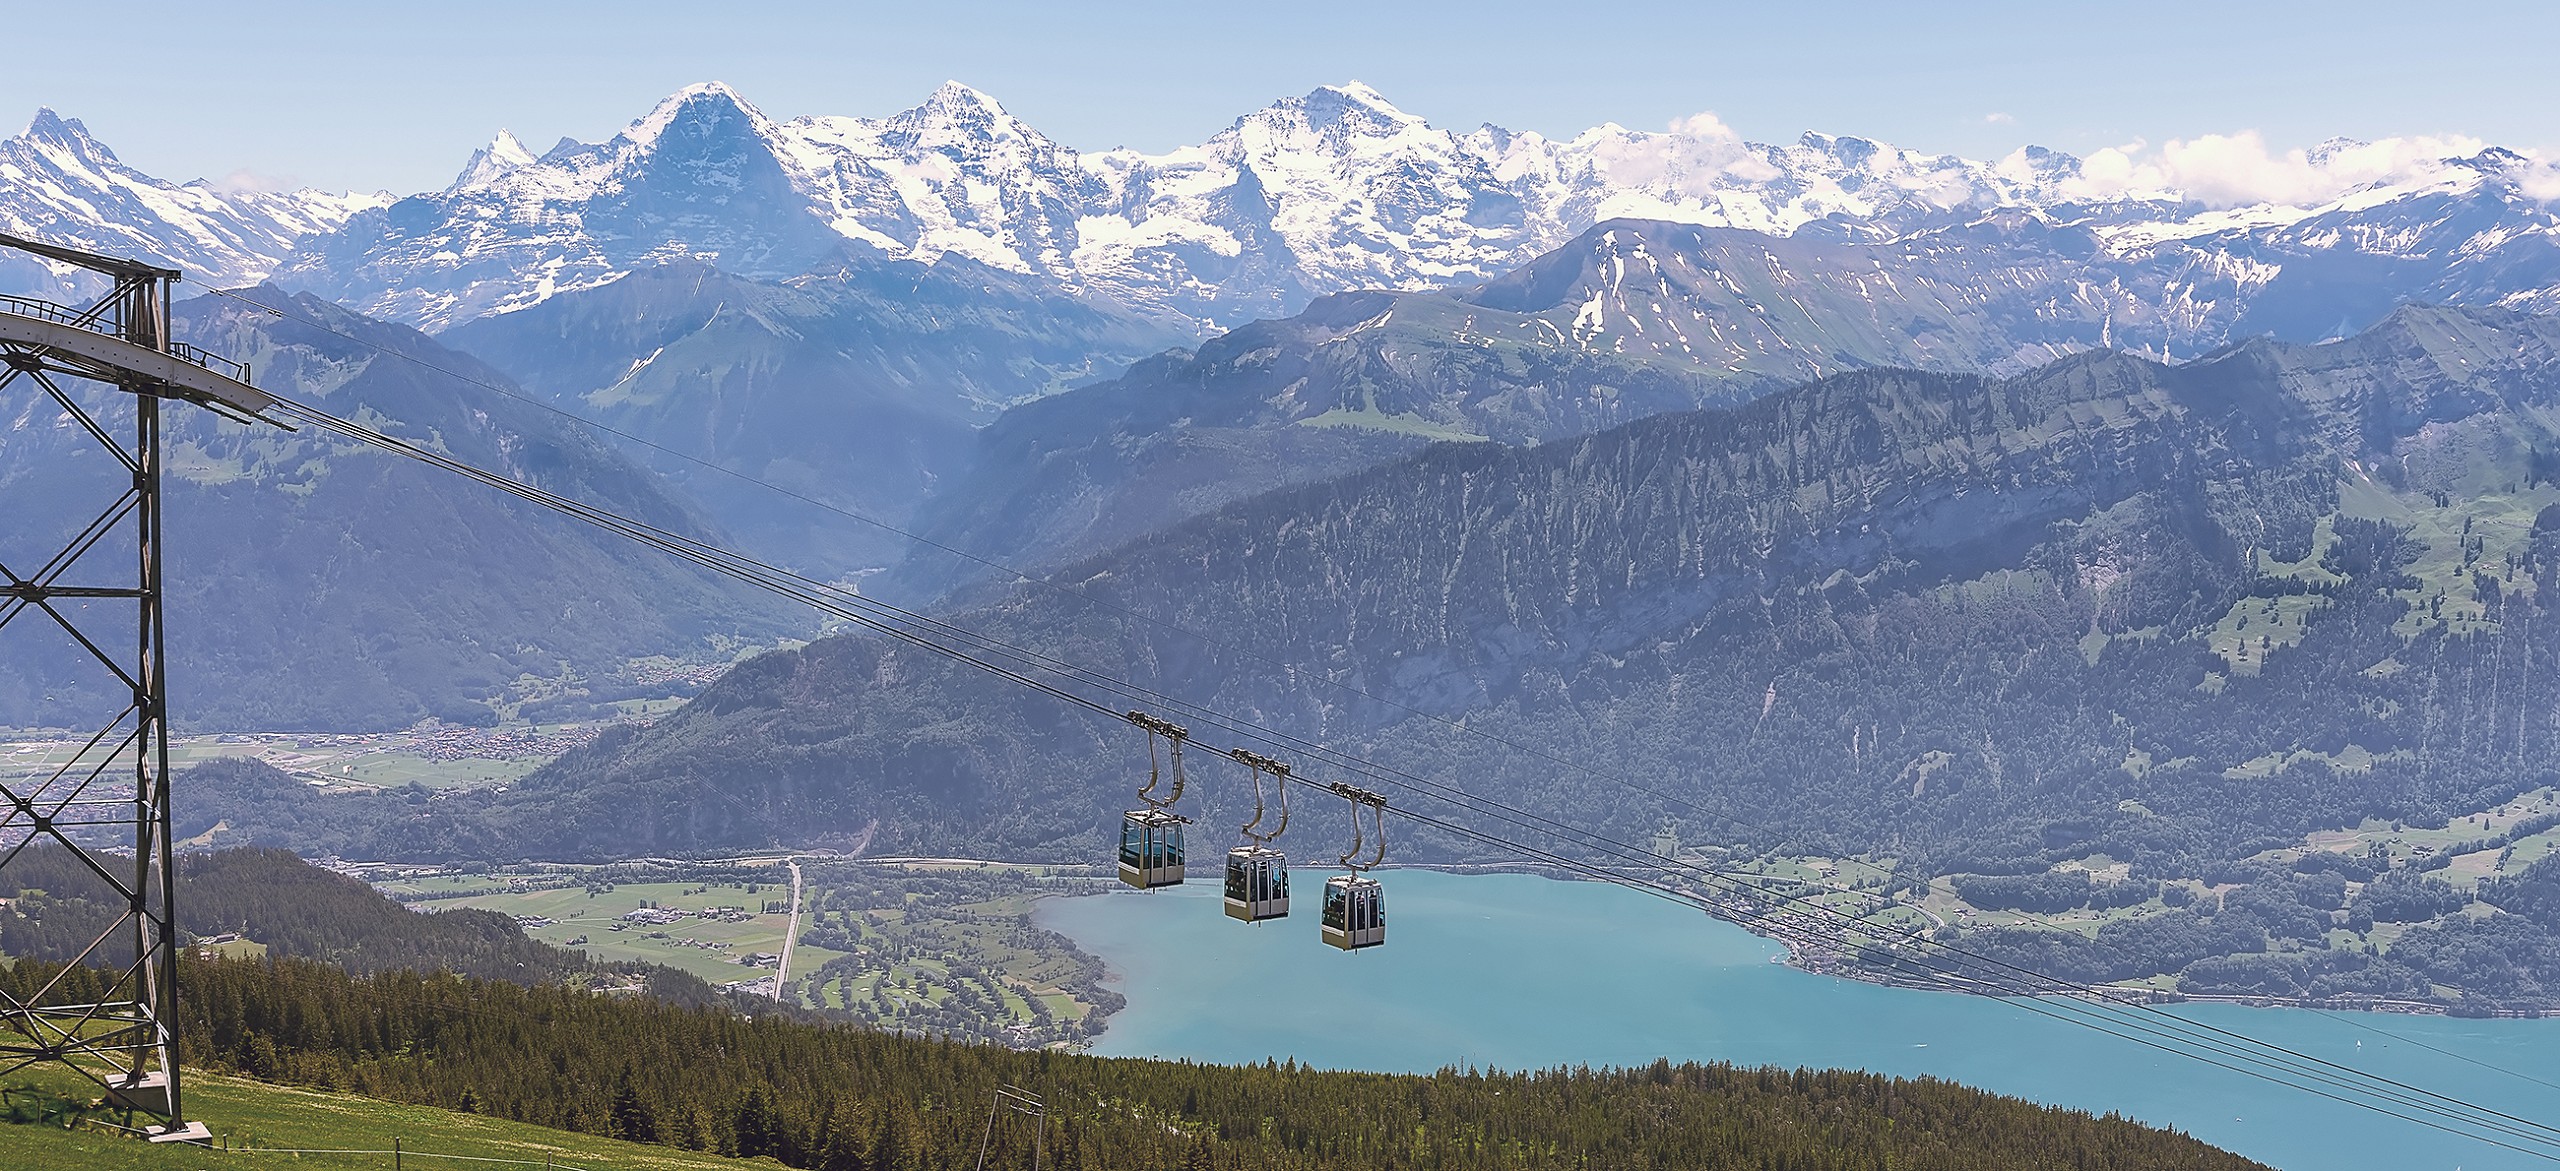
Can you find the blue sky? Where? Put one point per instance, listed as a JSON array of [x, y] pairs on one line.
[[339, 96]]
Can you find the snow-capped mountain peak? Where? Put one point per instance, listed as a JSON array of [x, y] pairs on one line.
[[700, 110], [954, 101], [1332, 189], [503, 154], [1353, 105], [54, 133], [1332, 119], [58, 182], [959, 122]]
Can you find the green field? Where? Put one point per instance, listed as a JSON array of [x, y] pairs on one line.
[[2479, 533], [246, 1114], [376, 761], [585, 917], [921, 946], [2405, 843], [937, 948], [1852, 887]]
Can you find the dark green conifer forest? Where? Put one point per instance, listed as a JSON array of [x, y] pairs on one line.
[[842, 1098]]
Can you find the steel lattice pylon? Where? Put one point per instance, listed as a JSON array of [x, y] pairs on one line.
[[111, 1014]]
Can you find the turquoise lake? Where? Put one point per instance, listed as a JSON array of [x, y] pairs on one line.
[[1524, 972]]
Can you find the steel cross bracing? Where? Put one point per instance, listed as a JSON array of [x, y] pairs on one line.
[[103, 812]]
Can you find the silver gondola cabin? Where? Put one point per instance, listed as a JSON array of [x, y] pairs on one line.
[[1151, 848], [1355, 912], [1355, 906], [1258, 875], [1257, 884], [1151, 838]]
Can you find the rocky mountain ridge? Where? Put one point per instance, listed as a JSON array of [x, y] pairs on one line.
[[1635, 317], [1334, 190], [61, 185]]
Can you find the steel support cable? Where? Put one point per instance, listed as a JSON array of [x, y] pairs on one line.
[[2443, 1122], [681, 547], [1019, 575], [806, 591], [2003, 979], [1140, 616], [2006, 977], [2041, 983], [813, 593]]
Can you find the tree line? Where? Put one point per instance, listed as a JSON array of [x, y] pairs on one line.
[[841, 1098]]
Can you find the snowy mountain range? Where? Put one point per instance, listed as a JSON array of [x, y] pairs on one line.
[[60, 185], [1334, 190]]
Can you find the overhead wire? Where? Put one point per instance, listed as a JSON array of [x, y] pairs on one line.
[[1019, 575], [895, 623], [1932, 883], [2040, 1005], [814, 594]]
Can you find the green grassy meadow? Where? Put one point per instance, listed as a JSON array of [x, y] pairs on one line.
[[245, 1114]]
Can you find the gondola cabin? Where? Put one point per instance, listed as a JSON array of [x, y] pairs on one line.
[[1355, 912], [1257, 884], [1151, 849]]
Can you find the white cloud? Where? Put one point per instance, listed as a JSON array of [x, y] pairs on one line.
[[1699, 152], [2233, 170], [1704, 124], [2541, 182], [1997, 118], [247, 180]]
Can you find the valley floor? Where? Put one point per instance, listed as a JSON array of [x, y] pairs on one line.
[[927, 946]]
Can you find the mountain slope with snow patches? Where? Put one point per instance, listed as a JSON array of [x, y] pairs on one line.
[[1339, 189], [1334, 190], [60, 185]]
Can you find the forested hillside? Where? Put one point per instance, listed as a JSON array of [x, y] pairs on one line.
[[844, 1099]]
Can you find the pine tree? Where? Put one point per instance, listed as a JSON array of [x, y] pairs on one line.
[[692, 1128], [756, 1129], [632, 1118]]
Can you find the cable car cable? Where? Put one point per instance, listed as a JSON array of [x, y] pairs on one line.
[[2042, 1007], [608, 520], [721, 560], [1018, 574], [1044, 583]]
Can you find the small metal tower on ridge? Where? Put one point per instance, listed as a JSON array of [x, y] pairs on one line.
[[112, 795]]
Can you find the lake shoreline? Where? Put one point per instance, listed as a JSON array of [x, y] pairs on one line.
[[1489, 970], [1810, 955]]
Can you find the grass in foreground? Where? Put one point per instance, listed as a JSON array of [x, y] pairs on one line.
[[255, 1114]]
